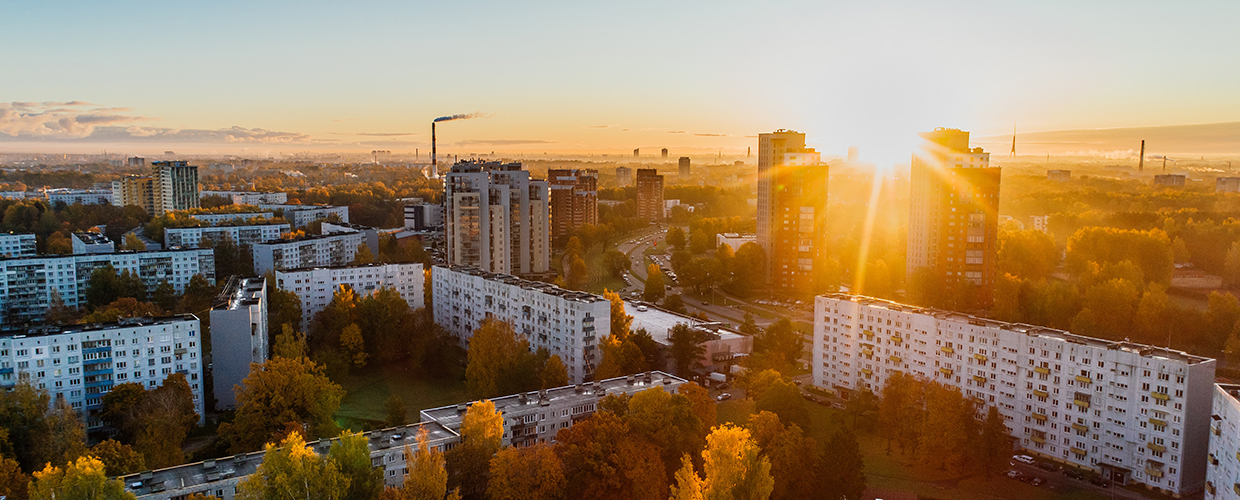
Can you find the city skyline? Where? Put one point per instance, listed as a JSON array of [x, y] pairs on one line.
[[570, 79]]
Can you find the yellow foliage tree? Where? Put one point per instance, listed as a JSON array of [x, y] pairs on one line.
[[354, 345], [292, 470], [526, 473], [82, 478], [733, 468], [621, 322]]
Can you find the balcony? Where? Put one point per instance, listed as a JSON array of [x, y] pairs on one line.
[[1038, 439], [1152, 472], [1210, 487], [1039, 417], [867, 371], [979, 379], [867, 333], [1042, 369], [1156, 447], [1040, 394], [1078, 451], [1084, 380], [947, 350], [1158, 422], [980, 357], [946, 371], [1212, 429], [895, 339], [868, 353], [1159, 395], [1081, 403], [1210, 458], [1080, 427], [895, 359]]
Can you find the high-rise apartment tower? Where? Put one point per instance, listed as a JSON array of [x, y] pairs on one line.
[[178, 185], [574, 200], [496, 218], [649, 195]]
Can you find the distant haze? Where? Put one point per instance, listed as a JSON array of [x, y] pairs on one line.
[[1203, 139]]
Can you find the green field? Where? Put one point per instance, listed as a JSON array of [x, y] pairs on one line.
[[366, 392]]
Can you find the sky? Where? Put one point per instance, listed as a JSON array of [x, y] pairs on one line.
[[600, 77]]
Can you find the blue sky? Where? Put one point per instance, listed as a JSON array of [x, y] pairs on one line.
[[606, 76]]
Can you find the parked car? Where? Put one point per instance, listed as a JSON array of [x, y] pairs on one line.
[[723, 397], [1074, 474], [838, 406], [1037, 481], [1098, 481], [1013, 474], [1047, 466], [1024, 459], [723, 387]]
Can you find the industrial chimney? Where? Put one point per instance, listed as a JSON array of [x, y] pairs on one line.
[[434, 165], [1141, 164]]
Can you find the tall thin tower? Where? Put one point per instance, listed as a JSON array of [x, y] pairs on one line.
[[1141, 162], [1013, 141]]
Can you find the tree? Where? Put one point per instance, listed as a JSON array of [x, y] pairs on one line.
[[748, 269], [283, 306], [667, 420], [118, 459], [687, 349], [554, 373], [578, 272], [396, 412], [132, 242], [616, 263], [1231, 265], [862, 403], [604, 461], [787, 448], [363, 255], [733, 468], [198, 296], [156, 421], [783, 398], [83, 478], [946, 428], [533, 472], [125, 307], [778, 347], [675, 303], [469, 463], [620, 321], [893, 414], [1027, 254], [104, 287], [702, 404], [293, 470], [351, 454], [13, 483], [278, 394], [676, 238], [499, 363], [654, 284], [757, 383], [165, 296], [290, 344], [996, 444], [427, 477], [66, 434], [1222, 314], [353, 346], [840, 469]]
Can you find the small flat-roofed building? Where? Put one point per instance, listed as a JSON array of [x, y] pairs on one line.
[[723, 346], [238, 335], [735, 240], [1059, 175], [1169, 180], [1227, 185], [86, 242]]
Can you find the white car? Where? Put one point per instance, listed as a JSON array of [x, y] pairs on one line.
[[1024, 459]]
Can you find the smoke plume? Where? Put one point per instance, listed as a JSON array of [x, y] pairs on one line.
[[458, 117]]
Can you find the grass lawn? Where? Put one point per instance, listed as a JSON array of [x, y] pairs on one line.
[[366, 392], [599, 277]]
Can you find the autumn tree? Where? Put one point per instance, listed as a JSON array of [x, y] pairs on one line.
[[499, 362], [13, 483], [280, 393], [667, 420], [482, 432], [351, 455], [779, 346], [533, 472], [748, 269], [293, 470], [426, 477], [733, 467], [289, 344], [353, 346], [676, 237], [397, 414], [621, 322], [118, 459], [81, 478], [603, 461], [654, 284], [66, 434], [553, 373], [787, 447], [283, 306], [783, 398], [616, 263], [363, 255], [946, 428], [701, 402], [687, 349], [996, 444], [156, 422], [839, 469]]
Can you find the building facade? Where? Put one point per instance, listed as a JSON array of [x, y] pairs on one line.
[[497, 218], [797, 210], [79, 196], [1223, 469], [624, 176], [1133, 412], [771, 148], [238, 335], [1227, 185], [1059, 175], [88, 242], [307, 251], [81, 363], [28, 285], [18, 245], [222, 218], [177, 185], [423, 216], [316, 286], [954, 219], [649, 195], [567, 323], [249, 197], [574, 200], [301, 215], [1170, 180], [141, 192], [195, 237], [683, 165], [721, 346]]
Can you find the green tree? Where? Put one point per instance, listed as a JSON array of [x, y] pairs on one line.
[[778, 347], [66, 434], [533, 472], [165, 296], [397, 414], [283, 306], [748, 269], [118, 459], [578, 272], [787, 448], [554, 373], [280, 394], [104, 287], [616, 263], [676, 238], [687, 349], [654, 284], [669, 421], [783, 398], [363, 255], [82, 478], [996, 444], [351, 454], [293, 470], [840, 469]]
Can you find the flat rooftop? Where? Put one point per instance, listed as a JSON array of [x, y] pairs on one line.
[[239, 292], [658, 322], [559, 397], [373, 265], [92, 238], [540, 286], [44, 331], [244, 464], [1030, 330]]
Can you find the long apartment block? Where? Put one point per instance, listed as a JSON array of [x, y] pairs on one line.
[[1133, 412], [335, 249], [300, 215], [194, 237], [28, 284], [231, 217], [567, 323], [81, 363], [315, 286], [18, 245]]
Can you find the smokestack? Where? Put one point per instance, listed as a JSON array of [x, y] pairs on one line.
[[434, 165], [1141, 165]]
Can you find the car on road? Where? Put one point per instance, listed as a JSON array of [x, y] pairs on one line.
[[1047, 466], [1098, 481], [642, 308], [1037, 481], [723, 397], [1074, 474], [838, 406], [1024, 459], [1013, 474]]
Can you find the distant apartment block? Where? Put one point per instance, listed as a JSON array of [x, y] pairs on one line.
[[222, 218], [81, 363], [423, 216], [1059, 175], [301, 215], [953, 218], [1041, 223], [797, 217], [249, 197], [18, 245], [497, 218], [141, 192], [1170, 180], [567, 323], [664, 153], [574, 200], [28, 284], [1134, 413], [238, 335], [535, 417], [195, 237], [649, 195], [87, 242], [177, 185], [683, 165], [316, 286], [624, 176], [79, 196], [336, 249], [135, 161], [1227, 185]]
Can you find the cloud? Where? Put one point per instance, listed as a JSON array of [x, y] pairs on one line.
[[387, 134], [502, 142], [676, 131], [56, 120], [711, 135], [599, 126]]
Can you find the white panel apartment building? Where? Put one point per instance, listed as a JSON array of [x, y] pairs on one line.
[[82, 196], [238, 335], [28, 284], [222, 218], [192, 237], [1223, 471], [497, 219], [1133, 412], [315, 286], [300, 215], [249, 197], [567, 323], [307, 251], [81, 363], [18, 245]]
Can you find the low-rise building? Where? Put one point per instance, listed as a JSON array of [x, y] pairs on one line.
[[88, 242], [79, 196], [422, 216], [316, 286], [722, 345], [81, 363], [194, 237], [238, 335], [223, 218], [1059, 175], [1169, 180], [326, 250], [301, 215], [370, 235], [18, 245], [219, 477], [1135, 413], [29, 284], [567, 323], [735, 240], [535, 417], [1227, 185]]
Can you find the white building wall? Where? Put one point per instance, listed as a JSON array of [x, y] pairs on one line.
[[82, 196], [238, 337], [192, 237], [18, 245], [1223, 459], [310, 251], [300, 215], [315, 287], [1089, 402]]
